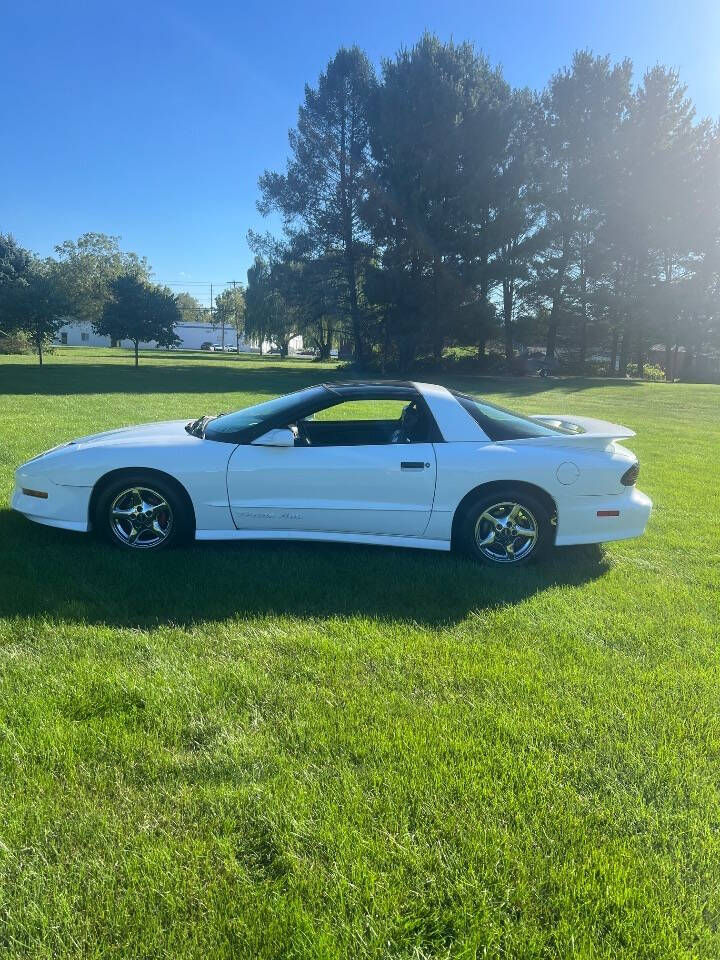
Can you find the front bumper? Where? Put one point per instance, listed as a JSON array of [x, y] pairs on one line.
[[65, 507], [581, 519]]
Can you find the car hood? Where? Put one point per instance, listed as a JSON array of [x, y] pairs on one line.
[[146, 434], [166, 431]]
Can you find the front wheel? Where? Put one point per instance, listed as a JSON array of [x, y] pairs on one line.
[[141, 513], [509, 528]]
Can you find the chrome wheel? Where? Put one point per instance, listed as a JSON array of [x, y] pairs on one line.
[[141, 517], [506, 532]]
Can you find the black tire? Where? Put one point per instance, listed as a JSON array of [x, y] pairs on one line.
[[116, 515], [489, 515]]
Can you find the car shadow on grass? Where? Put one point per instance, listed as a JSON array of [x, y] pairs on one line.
[[75, 578]]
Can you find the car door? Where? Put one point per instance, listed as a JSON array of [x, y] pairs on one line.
[[350, 484], [385, 490]]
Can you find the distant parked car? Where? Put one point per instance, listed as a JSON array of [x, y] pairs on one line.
[[207, 345], [449, 469], [229, 348]]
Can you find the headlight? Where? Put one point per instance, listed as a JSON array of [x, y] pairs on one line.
[[60, 446]]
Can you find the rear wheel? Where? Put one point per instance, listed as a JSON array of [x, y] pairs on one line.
[[509, 528], [142, 512]]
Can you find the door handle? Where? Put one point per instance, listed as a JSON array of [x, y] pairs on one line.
[[413, 465]]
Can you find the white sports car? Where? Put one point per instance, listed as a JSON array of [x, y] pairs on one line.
[[397, 463]]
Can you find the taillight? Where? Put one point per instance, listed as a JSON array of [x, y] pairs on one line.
[[629, 478]]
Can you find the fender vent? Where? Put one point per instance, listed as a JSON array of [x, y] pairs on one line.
[[629, 478]]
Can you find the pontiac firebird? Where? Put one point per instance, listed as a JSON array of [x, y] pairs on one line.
[[447, 470]]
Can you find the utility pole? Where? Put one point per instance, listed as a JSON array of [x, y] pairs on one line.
[[237, 335], [222, 336], [211, 308]]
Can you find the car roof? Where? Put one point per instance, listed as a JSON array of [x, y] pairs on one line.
[[373, 389]]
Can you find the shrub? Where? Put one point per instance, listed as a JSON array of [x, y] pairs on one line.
[[650, 371], [16, 343]]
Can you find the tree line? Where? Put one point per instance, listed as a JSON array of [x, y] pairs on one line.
[[89, 280], [435, 209], [434, 214]]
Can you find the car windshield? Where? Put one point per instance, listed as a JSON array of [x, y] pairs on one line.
[[270, 411], [500, 424]]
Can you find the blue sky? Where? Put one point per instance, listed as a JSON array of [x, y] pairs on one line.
[[153, 120]]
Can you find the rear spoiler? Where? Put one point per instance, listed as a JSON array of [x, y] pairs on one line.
[[587, 430]]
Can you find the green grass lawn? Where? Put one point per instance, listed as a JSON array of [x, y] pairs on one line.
[[306, 751]]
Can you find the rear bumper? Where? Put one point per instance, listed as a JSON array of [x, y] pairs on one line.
[[65, 507], [586, 519]]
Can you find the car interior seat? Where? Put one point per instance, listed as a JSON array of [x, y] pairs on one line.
[[413, 425]]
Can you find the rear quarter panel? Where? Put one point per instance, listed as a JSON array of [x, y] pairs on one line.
[[461, 467]]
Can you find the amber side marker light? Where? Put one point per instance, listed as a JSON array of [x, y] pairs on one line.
[[608, 513], [40, 494]]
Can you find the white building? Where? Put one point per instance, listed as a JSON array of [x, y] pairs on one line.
[[192, 336]]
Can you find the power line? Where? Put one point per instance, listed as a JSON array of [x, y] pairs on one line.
[[205, 297]]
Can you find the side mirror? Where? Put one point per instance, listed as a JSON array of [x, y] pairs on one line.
[[279, 437]]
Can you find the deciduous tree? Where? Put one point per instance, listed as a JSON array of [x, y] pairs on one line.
[[230, 311], [15, 264], [86, 268], [139, 312], [31, 299]]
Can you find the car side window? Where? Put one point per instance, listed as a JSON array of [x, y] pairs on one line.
[[365, 422], [501, 424], [362, 410]]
